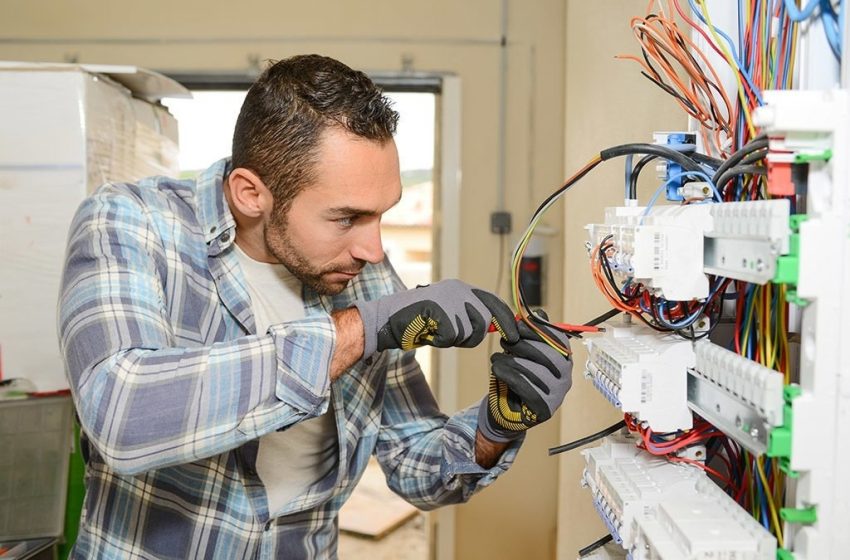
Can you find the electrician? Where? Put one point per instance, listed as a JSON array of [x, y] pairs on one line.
[[238, 345]]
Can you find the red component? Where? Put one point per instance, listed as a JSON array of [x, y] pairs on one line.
[[530, 265], [779, 181]]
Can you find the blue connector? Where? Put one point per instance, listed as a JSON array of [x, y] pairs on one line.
[[606, 392], [674, 171], [609, 523]]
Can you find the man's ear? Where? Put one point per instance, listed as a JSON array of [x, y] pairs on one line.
[[249, 194]]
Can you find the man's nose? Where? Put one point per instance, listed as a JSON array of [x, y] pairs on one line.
[[368, 246]]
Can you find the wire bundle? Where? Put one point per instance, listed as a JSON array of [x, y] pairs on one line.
[[761, 57], [524, 312], [672, 61], [654, 311]]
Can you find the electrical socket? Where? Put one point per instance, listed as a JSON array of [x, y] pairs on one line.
[[500, 222]]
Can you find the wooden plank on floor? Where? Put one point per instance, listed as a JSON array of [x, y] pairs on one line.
[[373, 510]]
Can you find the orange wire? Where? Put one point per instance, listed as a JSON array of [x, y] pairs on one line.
[[667, 47]]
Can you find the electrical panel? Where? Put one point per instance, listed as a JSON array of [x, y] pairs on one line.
[[730, 370]]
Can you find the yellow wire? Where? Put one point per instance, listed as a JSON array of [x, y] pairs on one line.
[[769, 346], [764, 323], [784, 339], [778, 482], [770, 504], [789, 77], [749, 323], [745, 105], [516, 260], [748, 475]]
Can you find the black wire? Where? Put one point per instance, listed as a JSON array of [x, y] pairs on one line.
[[755, 145], [689, 106], [564, 188], [576, 334], [606, 269], [595, 545], [758, 155], [713, 163], [654, 149], [633, 180], [588, 439], [739, 170], [602, 318]]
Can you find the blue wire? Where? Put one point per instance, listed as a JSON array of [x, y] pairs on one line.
[[741, 23], [833, 24], [751, 339], [795, 14], [688, 321], [786, 54], [756, 91]]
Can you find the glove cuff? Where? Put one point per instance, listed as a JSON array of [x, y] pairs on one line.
[[369, 316], [488, 427]]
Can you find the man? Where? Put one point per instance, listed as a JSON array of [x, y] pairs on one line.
[[238, 346]]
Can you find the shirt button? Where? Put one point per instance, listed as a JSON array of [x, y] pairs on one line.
[[368, 361], [268, 525], [224, 238], [250, 472], [213, 229]]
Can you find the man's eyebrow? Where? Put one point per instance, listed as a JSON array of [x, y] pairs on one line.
[[346, 211], [351, 211]]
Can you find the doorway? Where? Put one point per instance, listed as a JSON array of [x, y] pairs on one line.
[[206, 125]]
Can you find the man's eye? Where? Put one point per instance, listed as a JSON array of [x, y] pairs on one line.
[[344, 222]]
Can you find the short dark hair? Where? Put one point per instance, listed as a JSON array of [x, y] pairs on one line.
[[286, 110]]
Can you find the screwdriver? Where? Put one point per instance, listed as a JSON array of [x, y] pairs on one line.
[[562, 326]]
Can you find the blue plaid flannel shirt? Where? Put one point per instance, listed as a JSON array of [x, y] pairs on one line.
[[173, 388]]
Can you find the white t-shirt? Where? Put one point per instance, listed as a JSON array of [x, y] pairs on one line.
[[291, 461]]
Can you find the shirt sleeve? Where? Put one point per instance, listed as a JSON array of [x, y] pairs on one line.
[[428, 457], [144, 402]]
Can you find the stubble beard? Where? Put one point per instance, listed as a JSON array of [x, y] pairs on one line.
[[280, 244]]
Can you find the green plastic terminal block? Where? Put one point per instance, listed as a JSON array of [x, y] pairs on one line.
[[788, 266], [784, 554], [825, 155], [779, 442], [803, 516]]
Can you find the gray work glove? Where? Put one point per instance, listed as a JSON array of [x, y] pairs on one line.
[[447, 313], [528, 382]]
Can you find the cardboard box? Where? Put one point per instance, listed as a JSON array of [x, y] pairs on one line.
[[67, 129]]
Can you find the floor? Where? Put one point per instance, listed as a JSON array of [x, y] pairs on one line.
[[375, 524], [407, 542]]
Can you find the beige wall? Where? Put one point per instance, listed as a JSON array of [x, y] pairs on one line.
[[515, 518], [608, 103]]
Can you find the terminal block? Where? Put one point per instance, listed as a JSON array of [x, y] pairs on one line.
[[661, 248], [701, 523], [746, 239], [739, 396], [658, 510], [670, 249], [625, 481], [643, 373]]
